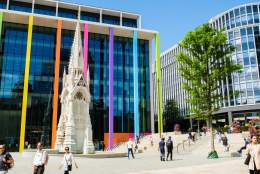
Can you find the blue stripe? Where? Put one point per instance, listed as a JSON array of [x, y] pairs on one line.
[[136, 96]]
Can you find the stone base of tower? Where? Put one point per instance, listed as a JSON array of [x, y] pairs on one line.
[[89, 148]]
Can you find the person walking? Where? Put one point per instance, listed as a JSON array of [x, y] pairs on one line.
[[162, 149], [103, 146], [151, 141], [247, 141], [225, 142], [40, 160], [169, 145], [6, 160], [204, 129], [130, 146], [67, 161], [218, 136], [253, 152]]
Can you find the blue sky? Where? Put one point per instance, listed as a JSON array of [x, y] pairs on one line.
[[172, 18]]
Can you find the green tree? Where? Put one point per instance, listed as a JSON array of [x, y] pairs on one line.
[[171, 115], [205, 61]]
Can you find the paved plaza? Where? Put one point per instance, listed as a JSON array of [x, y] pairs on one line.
[[193, 161]]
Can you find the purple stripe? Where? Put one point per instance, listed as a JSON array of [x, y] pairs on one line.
[[111, 87]]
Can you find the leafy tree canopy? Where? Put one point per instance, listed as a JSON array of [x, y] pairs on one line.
[[205, 62]]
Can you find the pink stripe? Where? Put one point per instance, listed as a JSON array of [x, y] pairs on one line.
[[85, 71]]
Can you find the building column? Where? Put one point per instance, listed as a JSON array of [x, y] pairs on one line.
[[230, 118], [56, 85], [26, 81], [136, 85], [111, 88], [158, 83], [85, 71]]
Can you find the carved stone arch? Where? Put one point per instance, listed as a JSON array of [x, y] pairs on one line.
[[79, 94]]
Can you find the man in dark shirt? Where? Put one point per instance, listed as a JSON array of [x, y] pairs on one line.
[[162, 149], [6, 160], [169, 145]]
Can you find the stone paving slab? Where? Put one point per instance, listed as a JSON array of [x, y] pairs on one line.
[[147, 163], [193, 161], [230, 167]]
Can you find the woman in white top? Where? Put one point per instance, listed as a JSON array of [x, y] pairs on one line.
[[67, 161], [253, 150]]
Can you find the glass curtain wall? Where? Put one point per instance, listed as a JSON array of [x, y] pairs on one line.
[[12, 65], [40, 92], [144, 85]]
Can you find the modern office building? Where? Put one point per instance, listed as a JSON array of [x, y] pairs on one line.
[[36, 39], [241, 25], [171, 81]]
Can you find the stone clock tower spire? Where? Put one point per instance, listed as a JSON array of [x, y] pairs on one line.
[[74, 128]]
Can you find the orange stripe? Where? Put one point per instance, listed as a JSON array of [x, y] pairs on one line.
[[56, 85]]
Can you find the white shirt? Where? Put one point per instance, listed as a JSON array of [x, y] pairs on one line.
[[40, 158], [129, 144], [67, 160]]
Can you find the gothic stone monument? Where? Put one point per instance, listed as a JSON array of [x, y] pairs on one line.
[[74, 128]]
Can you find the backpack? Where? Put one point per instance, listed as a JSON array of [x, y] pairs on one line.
[[169, 143]]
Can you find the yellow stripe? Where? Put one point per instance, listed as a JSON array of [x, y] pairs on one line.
[[26, 81]]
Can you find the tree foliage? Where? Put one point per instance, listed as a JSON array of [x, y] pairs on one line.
[[205, 62]]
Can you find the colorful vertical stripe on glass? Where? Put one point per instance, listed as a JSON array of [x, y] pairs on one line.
[[158, 82], [136, 95], [26, 81], [85, 71], [56, 84], [111, 87]]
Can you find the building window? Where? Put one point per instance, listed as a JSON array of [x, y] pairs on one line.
[[256, 14], [67, 13], [3, 4], [248, 9], [256, 89], [20, 6], [88, 16], [250, 18], [107, 19], [227, 21], [242, 10], [255, 9], [130, 22], [45, 10]]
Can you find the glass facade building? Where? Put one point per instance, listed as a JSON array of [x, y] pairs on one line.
[[171, 81], [46, 49], [241, 25]]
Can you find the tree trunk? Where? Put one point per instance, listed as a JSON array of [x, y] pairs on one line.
[[191, 125], [211, 134], [198, 126]]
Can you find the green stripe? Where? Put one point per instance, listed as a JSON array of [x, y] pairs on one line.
[[1, 23], [158, 83]]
